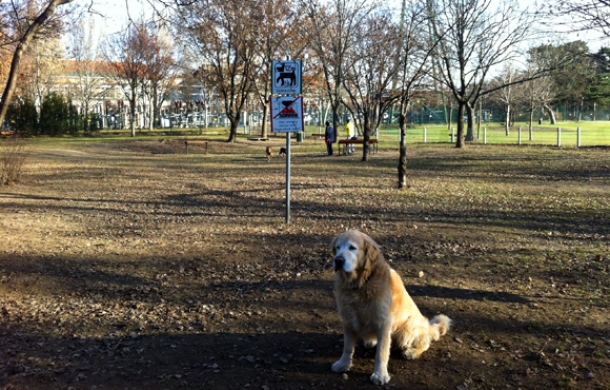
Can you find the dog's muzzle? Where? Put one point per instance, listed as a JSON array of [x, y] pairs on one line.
[[339, 261]]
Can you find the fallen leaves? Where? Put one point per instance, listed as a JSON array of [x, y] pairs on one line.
[[161, 271]]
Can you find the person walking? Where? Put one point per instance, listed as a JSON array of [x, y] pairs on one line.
[[349, 129], [330, 137]]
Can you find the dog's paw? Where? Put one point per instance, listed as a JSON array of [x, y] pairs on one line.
[[410, 354], [341, 365], [380, 378]]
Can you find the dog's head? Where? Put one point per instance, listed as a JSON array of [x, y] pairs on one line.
[[354, 251]]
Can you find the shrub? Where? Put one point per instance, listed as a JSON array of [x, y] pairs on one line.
[[12, 158], [54, 115], [22, 117]]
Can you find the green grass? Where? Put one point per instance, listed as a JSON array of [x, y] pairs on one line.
[[592, 134]]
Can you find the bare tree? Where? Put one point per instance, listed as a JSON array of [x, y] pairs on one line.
[[506, 93], [42, 61], [478, 35], [533, 94], [31, 29], [277, 39], [370, 69], [125, 54], [161, 68], [85, 52], [590, 14], [330, 31], [224, 40], [415, 50]]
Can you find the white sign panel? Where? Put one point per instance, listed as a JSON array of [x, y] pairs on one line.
[[287, 114], [286, 77]]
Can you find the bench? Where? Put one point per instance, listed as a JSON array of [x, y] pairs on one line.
[[318, 135], [344, 142]]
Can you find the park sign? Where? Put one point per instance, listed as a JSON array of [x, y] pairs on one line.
[[286, 77], [287, 114]]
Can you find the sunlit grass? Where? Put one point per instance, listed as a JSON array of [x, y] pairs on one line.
[[591, 134]]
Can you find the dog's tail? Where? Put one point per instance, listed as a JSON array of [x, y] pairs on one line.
[[439, 325]]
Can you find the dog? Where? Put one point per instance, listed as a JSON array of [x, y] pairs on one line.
[[282, 151], [375, 307], [269, 152], [286, 74]]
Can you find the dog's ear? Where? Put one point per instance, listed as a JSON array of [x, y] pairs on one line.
[[333, 246], [371, 250]]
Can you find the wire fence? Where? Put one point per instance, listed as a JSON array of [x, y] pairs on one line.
[[574, 136]]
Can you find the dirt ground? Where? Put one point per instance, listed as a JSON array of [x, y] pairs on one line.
[[134, 266]]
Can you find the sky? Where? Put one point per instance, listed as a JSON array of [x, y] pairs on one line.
[[116, 14]]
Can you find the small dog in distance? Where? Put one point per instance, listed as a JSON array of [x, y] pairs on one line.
[[269, 151], [282, 151]]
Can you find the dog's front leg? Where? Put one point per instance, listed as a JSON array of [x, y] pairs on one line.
[[349, 340], [380, 374]]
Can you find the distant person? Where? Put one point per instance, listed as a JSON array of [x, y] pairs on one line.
[[330, 137], [349, 129]]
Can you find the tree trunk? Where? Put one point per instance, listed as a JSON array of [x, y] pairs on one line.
[[402, 159], [156, 119], [234, 124], [151, 114], [507, 124], [470, 118], [22, 46], [480, 119], [132, 111], [531, 124], [366, 136], [552, 118], [264, 124], [335, 110], [86, 118], [460, 125]]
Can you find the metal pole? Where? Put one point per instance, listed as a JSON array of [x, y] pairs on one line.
[[519, 137], [425, 135], [288, 178], [578, 135], [288, 172], [559, 137]]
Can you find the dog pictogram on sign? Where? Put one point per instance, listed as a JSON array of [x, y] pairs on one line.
[[286, 77]]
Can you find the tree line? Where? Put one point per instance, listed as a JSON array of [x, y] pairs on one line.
[[364, 57]]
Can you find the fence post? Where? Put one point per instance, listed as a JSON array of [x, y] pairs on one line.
[[485, 135], [519, 136], [425, 135], [559, 137], [578, 137], [452, 135]]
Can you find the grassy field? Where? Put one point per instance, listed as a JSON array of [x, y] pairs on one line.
[[592, 134], [128, 264]]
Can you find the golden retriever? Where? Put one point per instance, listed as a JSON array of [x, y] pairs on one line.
[[375, 307]]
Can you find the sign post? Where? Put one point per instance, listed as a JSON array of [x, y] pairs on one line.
[[287, 109]]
